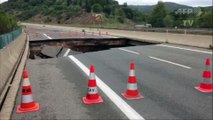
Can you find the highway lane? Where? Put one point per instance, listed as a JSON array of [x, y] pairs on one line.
[[183, 39], [167, 87], [184, 57], [42, 33], [58, 86]]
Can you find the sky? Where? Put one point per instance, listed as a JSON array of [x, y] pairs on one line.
[[194, 3], [1, 1]]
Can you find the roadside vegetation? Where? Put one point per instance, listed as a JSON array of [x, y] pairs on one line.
[[82, 12], [161, 16], [7, 23]]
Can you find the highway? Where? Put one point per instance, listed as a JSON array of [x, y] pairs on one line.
[[166, 77]]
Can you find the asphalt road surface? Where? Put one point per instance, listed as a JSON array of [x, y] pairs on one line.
[[43, 33], [166, 74]]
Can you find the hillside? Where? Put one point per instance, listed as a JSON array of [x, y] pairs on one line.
[[69, 11], [107, 13]]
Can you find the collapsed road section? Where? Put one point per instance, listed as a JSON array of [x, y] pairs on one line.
[[58, 47]]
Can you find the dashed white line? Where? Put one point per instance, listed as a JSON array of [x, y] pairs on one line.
[[166, 61], [67, 52], [129, 51], [117, 100], [181, 48], [47, 36]]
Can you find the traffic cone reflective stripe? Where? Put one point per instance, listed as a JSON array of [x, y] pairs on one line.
[[206, 85], [92, 90], [27, 102], [132, 73], [92, 96], [132, 89], [26, 82], [132, 86], [92, 76], [92, 93]]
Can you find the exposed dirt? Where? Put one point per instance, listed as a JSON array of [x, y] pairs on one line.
[[84, 18]]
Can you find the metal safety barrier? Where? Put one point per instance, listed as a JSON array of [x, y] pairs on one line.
[[5, 39]]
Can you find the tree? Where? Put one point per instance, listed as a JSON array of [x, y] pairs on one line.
[[158, 14], [97, 8], [7, 23], [107, 10], [168, 21], [119, 13], [128, 12], [206, 19], [139, 17]]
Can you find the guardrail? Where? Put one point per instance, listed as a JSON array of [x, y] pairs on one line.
[[5, 39], [10, 55], [180, 31], [169, 30]]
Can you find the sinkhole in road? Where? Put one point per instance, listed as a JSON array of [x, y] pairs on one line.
[[53, 48]]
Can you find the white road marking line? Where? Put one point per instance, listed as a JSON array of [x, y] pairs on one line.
[[117, 100], [47, 36], [67, 52], [129, 51], [193, 50], [166, 61]]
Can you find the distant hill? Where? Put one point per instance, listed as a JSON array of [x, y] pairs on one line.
[[169, 5]]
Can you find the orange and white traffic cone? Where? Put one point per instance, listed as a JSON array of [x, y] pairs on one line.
[[132, 89], [93, 34], [36, 35], [76, 34], [206, 85], [60, 34], [48, 34], [27, 102], [85, 34], [70, 34], [92, 96]]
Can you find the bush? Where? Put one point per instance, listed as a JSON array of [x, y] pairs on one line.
[[97, 8], [7, 23]]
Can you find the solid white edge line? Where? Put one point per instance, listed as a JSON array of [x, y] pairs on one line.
[[166, 61], [117, 100], [193, 50], [47, 36], [130, 51], [67, 52]]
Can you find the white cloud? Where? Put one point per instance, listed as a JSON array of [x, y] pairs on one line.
[[1, 1], [152, 2]]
